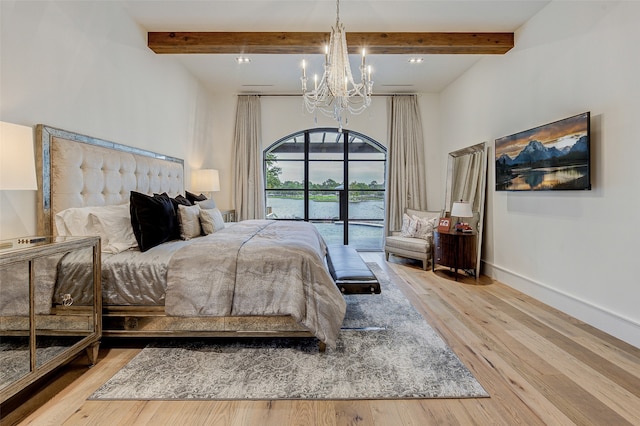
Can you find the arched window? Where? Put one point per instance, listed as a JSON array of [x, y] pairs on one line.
[[305, 175]]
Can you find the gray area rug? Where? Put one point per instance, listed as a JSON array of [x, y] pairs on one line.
[[386, 350]]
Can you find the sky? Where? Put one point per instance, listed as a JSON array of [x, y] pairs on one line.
[[559, 134]]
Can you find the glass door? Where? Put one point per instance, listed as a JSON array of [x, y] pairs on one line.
[[326, 184], [305, 177], [366, 192]]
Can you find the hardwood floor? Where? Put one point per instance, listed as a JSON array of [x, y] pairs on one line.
[[540, 366]]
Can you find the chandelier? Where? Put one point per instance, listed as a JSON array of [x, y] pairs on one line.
[[337, 92]]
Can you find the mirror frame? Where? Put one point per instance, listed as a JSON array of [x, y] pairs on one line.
[[483, 148]]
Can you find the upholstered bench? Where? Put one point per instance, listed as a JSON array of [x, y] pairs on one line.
[[349, 272]]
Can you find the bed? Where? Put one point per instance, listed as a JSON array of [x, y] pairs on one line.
[[255, 278]]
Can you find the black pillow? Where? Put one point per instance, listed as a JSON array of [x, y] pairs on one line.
[[175, 230], [152, 219], [181, 200], [193, 197]]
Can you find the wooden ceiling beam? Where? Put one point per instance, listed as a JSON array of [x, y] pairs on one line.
[[313, 42]]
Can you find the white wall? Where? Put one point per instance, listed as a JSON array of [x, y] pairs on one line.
[[575, 250], [85, 67]]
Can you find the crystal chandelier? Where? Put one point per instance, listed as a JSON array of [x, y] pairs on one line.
[[336, 91]]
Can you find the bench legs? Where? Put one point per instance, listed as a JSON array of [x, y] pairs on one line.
[[425, 262]]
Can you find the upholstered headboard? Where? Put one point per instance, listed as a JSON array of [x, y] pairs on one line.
[[78, 171]]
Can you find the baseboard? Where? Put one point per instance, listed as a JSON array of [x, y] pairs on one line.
[[612, 323]]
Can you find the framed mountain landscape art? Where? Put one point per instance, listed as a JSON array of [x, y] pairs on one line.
[[554, 156]]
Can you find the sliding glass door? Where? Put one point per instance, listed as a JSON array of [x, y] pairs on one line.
[[305, 175]]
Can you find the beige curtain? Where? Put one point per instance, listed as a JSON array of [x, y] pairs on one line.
[[467, 176], [406, 182], [248, 192]]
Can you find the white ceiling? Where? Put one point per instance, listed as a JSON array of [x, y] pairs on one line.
[[281, 73]]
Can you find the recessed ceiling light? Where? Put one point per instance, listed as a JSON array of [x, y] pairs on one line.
[[416, 60], [243, 60]]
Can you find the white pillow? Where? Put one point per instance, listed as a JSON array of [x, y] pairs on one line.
[[409, 226], [189, 218], [207, 204], [211, 220], [424, 227], [113, 224], [74, 222]]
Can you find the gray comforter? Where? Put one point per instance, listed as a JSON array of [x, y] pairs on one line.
[[257, 267]]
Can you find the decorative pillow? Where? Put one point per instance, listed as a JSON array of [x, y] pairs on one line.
[[181, 200], [211, 220], [189, 218], [74, 222], [409, 226], [207, 204], [114, 225], [175, 202], [152, 218], [111, 223], [193, 197], [424, 227]]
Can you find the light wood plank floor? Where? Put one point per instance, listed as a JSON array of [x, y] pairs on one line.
[[540, 366]]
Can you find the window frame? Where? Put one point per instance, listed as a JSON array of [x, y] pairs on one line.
[[348, 137]]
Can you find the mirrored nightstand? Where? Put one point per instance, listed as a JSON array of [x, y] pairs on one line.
[[50, 306]]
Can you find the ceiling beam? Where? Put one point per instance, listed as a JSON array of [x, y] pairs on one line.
[[311, 43]]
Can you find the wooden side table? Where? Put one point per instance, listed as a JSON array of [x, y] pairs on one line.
[[456, 250]]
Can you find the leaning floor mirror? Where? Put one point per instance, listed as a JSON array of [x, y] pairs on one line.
[[467, 181]]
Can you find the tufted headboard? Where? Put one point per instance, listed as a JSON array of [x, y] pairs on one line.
[[79, 171]]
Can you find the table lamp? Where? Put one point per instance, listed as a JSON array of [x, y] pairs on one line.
[[461, 209], [17, 163], [205, 181]]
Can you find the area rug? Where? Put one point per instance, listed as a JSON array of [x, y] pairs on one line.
[[386, 350]]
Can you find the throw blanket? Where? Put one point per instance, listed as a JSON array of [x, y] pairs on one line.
[[257, 267]]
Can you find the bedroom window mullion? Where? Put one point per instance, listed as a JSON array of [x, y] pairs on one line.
[[306, 175]]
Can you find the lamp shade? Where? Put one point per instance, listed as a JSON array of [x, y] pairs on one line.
[[17, 162], [205, 180], [461, 209]]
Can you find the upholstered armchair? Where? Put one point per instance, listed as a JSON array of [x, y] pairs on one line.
[[413, 247]]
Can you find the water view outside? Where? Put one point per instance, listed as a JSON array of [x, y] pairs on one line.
[[287, 208], [363, 234]]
